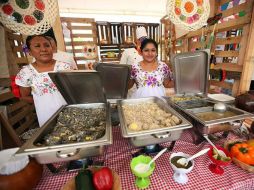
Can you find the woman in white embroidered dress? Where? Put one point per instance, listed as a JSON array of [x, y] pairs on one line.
[[150, 75], [34, 81]]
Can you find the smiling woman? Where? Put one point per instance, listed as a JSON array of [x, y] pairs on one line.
[[34, 81], [150, 75]]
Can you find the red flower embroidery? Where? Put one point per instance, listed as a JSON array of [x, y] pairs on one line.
[[39, 5], [7, 9], [45, 80], [52, 85], [30, 20], [45, 90]]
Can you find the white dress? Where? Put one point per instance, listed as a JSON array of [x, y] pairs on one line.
[[47, 98], [150, 83], [129, 57]]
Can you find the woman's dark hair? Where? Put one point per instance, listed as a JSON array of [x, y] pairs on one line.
[[148, 41], [50, 33], [29, 38]]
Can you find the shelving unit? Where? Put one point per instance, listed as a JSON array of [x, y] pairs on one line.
[[232, 48], [114, 37]]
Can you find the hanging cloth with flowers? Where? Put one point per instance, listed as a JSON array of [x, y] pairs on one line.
[[188, 14]]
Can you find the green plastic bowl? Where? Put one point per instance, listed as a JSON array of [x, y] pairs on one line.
[[142, 159]]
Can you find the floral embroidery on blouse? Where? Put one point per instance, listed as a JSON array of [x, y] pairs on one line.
[[151, 79], [40, 83]]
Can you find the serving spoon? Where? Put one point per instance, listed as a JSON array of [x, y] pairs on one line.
[[220, 152], [142, 168], [185, 161]]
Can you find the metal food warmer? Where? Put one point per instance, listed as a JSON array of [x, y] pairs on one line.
[[150, 136], [84, 94], [191, 72]]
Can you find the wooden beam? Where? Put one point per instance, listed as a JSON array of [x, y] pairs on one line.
[[6, 96], [228, 67], [236, 9], [13, 107], [248, 65], [235, 87], [228, 40], [5, 82], [77, 20], [222, 84], [15, 36], [58, 31], [14, 119], [82, 27], [226, 53], [21, 60], [83, 35], [243, 44], [26, 125], [232, 24], [18, 49], [9, 129]]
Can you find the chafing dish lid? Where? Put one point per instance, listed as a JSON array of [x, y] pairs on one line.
[[79, 87], [191, 72], [115, 79]]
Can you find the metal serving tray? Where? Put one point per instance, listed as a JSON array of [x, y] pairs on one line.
[[55, 153], [191, 79], [153, 136], [80, 89], [213, 125]]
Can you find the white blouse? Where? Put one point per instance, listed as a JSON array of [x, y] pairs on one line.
[[47, 98]]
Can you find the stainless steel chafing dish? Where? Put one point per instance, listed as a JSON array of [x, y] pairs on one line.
[[151, 136], [191, 72], [81, 90]]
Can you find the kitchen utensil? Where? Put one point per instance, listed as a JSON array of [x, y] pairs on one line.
[[220, 152], [185, 161], [219, 107]]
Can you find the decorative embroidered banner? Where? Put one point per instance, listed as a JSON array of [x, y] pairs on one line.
[[28, 17], [188, 14]]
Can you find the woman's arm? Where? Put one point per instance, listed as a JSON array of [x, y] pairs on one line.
[[168, 83], [26, 94], [130, 83]]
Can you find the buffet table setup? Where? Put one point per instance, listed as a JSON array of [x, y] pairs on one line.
[[118, 157], [114, 139]]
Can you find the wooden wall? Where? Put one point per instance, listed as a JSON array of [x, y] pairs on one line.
[[232, 47], [82, 32]]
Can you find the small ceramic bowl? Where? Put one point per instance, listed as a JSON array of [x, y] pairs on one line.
[[180, 173]]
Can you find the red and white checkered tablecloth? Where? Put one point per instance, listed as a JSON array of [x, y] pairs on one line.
[[118, 157]]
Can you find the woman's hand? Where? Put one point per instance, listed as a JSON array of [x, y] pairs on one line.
[[168, 83], [130, 83], [26, 94]]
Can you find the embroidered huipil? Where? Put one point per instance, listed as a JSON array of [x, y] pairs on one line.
[[150, 83], [47, 98]]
